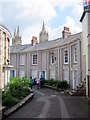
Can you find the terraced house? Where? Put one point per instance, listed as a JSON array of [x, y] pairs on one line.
[[65, 58], [5, 67]]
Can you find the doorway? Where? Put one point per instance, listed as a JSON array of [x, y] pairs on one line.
[[44, 74], [74, 79]]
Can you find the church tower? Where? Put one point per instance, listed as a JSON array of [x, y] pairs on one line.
[[43, 36], [16, 40], [85, 19]]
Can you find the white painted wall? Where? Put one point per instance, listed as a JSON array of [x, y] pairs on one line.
[[89, 59], [22, 59], [40, 74], [52, 74], [66, 75], [34, 74], [7, 76], [21, 73]]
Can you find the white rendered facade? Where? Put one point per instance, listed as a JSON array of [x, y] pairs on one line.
[[5, 67]]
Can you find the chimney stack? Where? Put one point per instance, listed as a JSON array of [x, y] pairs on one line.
[[66, 32], [34, 40]]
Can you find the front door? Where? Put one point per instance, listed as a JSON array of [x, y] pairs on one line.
[[13, 72], [44, 74], [74, 79]]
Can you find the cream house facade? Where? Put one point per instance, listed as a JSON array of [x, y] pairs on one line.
[[85, 19], [5, 67], [58, 59]]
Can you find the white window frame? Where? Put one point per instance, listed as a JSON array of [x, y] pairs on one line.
[[33, 59], [75, 54], [65, 56]]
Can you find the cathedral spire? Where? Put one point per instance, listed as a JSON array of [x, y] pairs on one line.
[[43, 26], [16, 40], [18, 31], [14, 32], [43, 36]]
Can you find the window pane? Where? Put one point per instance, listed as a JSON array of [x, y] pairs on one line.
[[65, 56], [34, 59], [75, 55], [52, 58]]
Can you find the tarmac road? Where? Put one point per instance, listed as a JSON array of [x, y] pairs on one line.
[[48, 103]]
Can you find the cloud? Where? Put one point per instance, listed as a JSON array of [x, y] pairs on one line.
[[55, 33], [28, 32], [62, 4], [29, 14], [70, 22], [1, 17], [36, 10], [77, 11]]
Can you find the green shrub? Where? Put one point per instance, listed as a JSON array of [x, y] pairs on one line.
[[51, 82], [16, 90], [9, 100], [23, 81], [46, 82], [57, 83], [64, 84]]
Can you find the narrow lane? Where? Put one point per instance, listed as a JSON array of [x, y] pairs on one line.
[[48, 103]]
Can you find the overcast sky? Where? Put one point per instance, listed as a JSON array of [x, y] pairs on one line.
[[30, 14]]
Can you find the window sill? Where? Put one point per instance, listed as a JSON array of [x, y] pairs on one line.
[[65, 63], [34, 64], [21, 65], [75, 63], [52, 63]]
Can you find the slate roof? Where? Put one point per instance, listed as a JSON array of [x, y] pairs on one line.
[[45, 45], [18, 48]]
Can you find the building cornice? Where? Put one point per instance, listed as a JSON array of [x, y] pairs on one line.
[[6, 30], [83, 15]]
